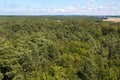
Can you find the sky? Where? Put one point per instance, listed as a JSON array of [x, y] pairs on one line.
[[59, 7]]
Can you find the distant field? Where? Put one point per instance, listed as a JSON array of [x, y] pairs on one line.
[[116, 20]]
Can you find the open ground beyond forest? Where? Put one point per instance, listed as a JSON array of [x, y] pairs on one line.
[[116, 20], [59, 48]]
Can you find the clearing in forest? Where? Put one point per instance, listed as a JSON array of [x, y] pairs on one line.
[[116, 20]]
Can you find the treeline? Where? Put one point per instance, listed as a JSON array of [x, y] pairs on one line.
[[59, 48]]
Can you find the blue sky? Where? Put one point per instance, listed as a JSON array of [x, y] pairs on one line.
[[59, 7]]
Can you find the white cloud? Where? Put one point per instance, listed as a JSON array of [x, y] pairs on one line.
[[91, 3], [60, 10], [66, 10], [72, 8]]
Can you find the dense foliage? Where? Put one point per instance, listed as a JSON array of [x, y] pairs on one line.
[[59, 48]]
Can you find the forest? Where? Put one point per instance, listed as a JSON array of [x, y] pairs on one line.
[[59, 48]]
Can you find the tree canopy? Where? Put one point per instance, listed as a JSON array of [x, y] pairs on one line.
[[59, 48]]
